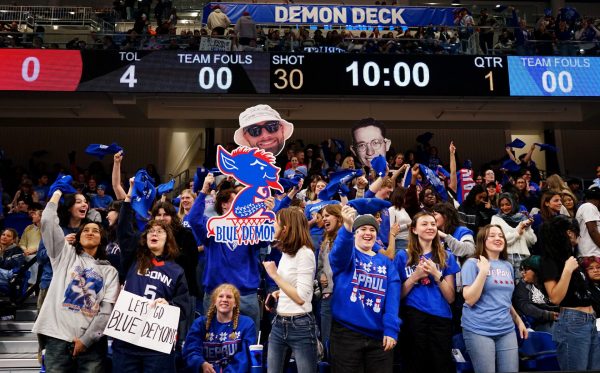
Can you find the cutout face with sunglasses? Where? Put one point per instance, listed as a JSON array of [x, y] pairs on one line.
[[265, 135]]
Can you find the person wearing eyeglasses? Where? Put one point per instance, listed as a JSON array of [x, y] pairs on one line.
[[262, 127], [148, 259], [369, 141], [591, 264]]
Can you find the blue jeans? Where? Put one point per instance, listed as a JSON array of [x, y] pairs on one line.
[[576, 340], [299, 334], [492, 354], [325, 319], [128, 363], [248, 307], [59, 357]]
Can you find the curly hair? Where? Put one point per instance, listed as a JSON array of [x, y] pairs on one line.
[[212, 309], [169, 210]]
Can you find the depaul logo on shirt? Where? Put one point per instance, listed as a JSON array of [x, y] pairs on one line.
[[368, 281], [501, 276]]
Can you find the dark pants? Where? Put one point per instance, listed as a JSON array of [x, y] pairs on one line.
[[59, 357], [428, 342], [357, 353], [128, 363]]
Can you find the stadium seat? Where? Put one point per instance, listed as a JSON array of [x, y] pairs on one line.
[[538, 353], [458, 343]]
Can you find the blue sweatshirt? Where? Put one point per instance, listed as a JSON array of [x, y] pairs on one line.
[[226, 349], [225, 262], [165, 278], [366, 295]]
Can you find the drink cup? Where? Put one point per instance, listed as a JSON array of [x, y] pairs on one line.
[[256, 352]]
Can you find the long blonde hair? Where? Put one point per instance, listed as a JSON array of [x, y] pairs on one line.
[[181, 211], [212, 310]]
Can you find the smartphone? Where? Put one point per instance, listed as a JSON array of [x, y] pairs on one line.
[[270, 302]]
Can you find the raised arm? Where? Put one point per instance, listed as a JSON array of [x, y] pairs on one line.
[[527, 157], [116, 176], [52, 235], [342, 249], [125, 232], [453, 169], [558, 290]]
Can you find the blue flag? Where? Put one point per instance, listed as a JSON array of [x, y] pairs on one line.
[[143, 194], [511, 165], [100, 150], [434, 181]]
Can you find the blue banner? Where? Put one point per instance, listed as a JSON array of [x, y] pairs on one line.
[[337, 14]]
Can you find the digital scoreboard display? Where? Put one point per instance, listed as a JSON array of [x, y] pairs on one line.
[[316, 74]]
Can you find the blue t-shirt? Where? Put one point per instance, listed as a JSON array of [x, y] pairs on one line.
[[490, 316], [426, 298]]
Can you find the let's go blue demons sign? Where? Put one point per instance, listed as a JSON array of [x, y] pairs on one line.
[[337, 14]]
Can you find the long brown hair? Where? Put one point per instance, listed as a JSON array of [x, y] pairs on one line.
[[297, 234], [329, 237], [414, 251], [545, 211], [482, 236], [212, 309], [145, 256]]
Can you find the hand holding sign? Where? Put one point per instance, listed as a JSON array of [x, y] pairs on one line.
[[143, 322]]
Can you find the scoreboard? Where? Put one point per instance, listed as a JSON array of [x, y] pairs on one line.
[[316, 74]]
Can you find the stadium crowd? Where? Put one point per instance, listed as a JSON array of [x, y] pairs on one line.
[[379, 259], [500, 31]]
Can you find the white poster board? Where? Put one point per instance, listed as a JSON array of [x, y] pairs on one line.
[[135, 320], [215, 44]]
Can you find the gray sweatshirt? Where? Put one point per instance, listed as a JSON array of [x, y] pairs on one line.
[[82, 292]]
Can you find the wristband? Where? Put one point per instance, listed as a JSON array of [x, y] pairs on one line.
[[441, 278]]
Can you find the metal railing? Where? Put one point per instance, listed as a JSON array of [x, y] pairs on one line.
[[33, 16]]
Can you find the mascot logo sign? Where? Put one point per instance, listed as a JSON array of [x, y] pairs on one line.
[[248, 221]]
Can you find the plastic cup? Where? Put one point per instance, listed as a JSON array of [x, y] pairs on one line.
[[256, 352]]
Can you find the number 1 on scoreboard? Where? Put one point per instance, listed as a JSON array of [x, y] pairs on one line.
[[128, 77], [490, 76]]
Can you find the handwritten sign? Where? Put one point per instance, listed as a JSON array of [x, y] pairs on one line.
[[135, 320], [215, 44]]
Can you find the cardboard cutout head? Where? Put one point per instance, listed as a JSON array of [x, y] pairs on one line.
[[262, 127]]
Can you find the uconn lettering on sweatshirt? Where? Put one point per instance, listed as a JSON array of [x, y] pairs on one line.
[[156, 275]]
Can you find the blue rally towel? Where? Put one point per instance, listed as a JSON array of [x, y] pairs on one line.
[[166, 187], [435, 181], [288, 184], [143, 194], [369, 205], [335, 182], [548, 147], [443, 171], [511, 165], [379, 165], [64, 183], [100, 150], [200, 175], [516, 143]]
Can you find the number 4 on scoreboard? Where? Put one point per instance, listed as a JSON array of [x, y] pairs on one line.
[[128, 77]]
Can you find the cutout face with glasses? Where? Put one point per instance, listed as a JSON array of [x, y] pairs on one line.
[[265, 135], [369, 142]]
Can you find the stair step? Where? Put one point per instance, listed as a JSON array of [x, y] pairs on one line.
[[18, 361], [26, 315], [19, 345], [16, 325]]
